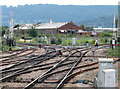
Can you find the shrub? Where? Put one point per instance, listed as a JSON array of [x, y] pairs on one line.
[[33, 32], [59, 41], [104, 34], [53, 41]]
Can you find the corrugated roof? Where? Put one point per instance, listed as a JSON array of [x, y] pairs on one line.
[[81, 31], [50, 25], [26, 26]]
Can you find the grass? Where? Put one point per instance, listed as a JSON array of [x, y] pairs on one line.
[[114, 52], [6, 48], [83, 40], [65, 39]]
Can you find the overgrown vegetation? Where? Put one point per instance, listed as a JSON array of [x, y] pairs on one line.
[[105, 34], [114, 52]]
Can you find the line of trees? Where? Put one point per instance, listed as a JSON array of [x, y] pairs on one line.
[[89, 28]]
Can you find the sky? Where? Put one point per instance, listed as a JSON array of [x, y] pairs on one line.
[[59, 2]]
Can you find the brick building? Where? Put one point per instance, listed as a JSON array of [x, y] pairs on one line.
[[69, 28], [53, 28]]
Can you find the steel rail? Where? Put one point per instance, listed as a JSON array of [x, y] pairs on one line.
[[52, 68], [71, 70], [26, 68], [4, 61], [42, 55], [45, 73], [15, 54]]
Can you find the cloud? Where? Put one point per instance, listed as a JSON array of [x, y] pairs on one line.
[[59, 2]]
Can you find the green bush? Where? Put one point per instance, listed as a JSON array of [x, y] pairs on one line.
[[53, 41], [106, 40], [104, 34], [64, 42], [59, 41], [32, 32], [41, 35]]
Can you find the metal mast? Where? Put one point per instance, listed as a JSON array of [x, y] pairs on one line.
[[114, 29], [11, 33], [11, 26]]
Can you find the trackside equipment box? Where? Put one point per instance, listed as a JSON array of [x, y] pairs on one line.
[[109, 78]]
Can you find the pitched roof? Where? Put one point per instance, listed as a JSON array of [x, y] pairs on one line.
[[70, 26], [50, 25], [60, 25], [81, 31], [25, 26]]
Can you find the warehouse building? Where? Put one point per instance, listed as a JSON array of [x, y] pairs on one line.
[[53, 28]]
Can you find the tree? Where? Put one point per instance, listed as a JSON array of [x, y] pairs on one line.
[[3, 29], [89, 29], [33, 32], [82, 26]]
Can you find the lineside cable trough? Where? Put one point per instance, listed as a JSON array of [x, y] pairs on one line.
[[106, 74]]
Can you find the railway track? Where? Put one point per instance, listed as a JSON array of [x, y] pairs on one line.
[[46, 74], [64, 68], [18, 68], [22, 66], [16, 58], [17, 53], [6, 52], [30, 64]]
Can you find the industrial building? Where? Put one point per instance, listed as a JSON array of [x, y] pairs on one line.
[[53, 28]]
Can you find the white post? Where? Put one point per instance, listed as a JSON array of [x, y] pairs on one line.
[[73, 41], [79, 43]]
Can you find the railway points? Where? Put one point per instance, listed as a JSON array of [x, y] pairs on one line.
[[58, 55], [34, 67]]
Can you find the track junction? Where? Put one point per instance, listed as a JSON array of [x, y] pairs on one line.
[[32, 67]]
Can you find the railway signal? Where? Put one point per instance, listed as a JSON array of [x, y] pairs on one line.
[[10, 50], [60, 52], [40, 46]]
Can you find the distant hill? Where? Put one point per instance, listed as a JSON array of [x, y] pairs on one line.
[[88, 15]]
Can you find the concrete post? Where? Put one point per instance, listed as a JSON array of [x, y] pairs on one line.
[[87, 44]]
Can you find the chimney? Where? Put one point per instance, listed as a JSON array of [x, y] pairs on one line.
[[71, 22]]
